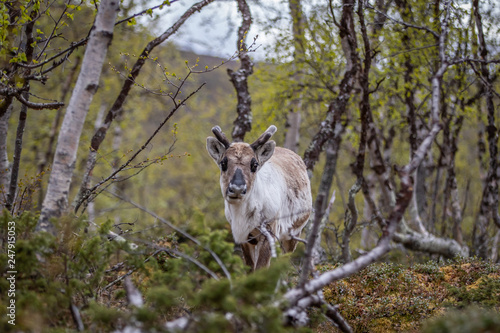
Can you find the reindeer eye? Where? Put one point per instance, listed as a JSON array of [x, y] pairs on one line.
[[223, 164], [254, 165]]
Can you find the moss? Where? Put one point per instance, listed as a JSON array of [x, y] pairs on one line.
[[485, 292], [469, 320], [390, 297]]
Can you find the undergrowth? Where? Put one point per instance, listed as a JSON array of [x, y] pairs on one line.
[[393, 298], [81, 272]]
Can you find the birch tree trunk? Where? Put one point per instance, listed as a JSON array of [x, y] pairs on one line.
[[239, 78], [56, 199], [117, 107], [55, 127], [294, 117]]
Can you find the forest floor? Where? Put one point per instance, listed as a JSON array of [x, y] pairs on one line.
[[396, 298]]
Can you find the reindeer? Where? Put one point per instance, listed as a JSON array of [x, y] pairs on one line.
[[262, 185]]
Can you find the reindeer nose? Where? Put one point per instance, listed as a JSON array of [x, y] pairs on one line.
[[237, 186]]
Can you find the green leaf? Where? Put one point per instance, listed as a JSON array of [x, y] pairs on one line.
[[132, 21]]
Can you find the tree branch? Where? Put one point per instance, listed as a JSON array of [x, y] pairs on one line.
[[239, 78], [338, 106], [87, 193], [402, 201], [180, 231], [38, 106]]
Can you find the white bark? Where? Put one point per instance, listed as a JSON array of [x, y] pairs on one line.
[[294, 115], [448, 248], [294, 120], [56, 199]]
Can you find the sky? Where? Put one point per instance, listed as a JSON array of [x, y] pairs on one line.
[[213, 30]]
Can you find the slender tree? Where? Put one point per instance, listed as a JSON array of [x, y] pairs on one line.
[[23, 114], [56, 198], [489, 202], [239, 78], [294, 114], [117, 108]]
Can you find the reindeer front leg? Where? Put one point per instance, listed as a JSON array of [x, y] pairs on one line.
[[249, 254], [257, 251], [264, 253]]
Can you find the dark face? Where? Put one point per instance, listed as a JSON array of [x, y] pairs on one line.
[[238, 169], [239, 162]]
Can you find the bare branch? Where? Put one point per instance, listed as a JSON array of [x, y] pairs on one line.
[[38, 106], [487, 85], [51, 35], [69, 49], [333, 313], [90, 191], [143, 12], [448, 248], [141, 59], [109, 285], [180, 231], [406, 24], [116, 108], [134, 296], [350, 221], [403, 199], [337, 107], [56, 198], [75, 313], [312, 244]]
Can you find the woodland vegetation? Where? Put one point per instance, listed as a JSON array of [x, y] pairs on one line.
[[112, 216]]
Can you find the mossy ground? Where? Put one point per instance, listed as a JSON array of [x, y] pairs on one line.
[[78, 269], [394, 298]]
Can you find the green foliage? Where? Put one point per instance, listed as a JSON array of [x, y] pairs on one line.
[[76, 267], [52, 273], [103, 317], [249, 299], [474, 282], [390, 297], [466, 321], [484, 292]]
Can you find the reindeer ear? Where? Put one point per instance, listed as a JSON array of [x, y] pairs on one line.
[[265, 151], [215, 148]]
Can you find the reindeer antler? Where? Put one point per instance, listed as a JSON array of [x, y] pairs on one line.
[[221, 136], [264, 137]]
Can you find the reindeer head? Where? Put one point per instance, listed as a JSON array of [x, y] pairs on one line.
[[239, 162]]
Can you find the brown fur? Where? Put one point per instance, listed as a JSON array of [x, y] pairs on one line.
[[295, 192], [240, 155], [264, 255], [291, 164]]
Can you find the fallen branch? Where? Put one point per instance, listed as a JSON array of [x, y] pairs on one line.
[[446, 247]]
